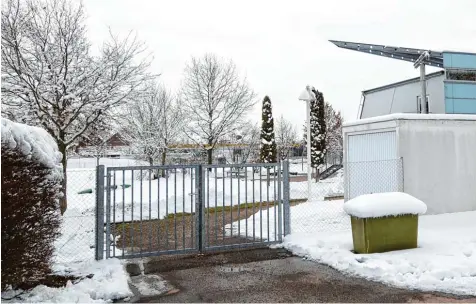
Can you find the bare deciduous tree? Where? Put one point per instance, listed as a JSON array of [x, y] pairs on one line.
[[50, 79], [334, 139], [215, 100], [286, 137], [151, 122], [251, 138]]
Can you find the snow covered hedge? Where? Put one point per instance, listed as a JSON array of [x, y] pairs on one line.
[[31, 189]]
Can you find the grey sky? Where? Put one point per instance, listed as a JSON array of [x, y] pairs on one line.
[[283, 45]]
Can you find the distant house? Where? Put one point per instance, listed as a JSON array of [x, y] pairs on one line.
[[114, 146]]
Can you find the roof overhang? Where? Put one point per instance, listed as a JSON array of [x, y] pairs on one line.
[[416, 56]]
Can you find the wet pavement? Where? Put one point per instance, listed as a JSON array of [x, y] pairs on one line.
[[279, 279]]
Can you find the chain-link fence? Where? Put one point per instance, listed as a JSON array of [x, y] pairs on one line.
[[373, 177], [315, 212], [78, 236], [323, 212]]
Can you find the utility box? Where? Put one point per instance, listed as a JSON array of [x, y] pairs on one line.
[[384, 222], [429, 156]]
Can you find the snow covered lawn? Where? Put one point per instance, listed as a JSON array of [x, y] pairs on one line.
[[444, 261]]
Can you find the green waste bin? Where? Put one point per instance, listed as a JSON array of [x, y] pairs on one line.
[[381, 234], [384, 221]]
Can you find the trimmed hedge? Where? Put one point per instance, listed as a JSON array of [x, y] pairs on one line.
[[30, 219]]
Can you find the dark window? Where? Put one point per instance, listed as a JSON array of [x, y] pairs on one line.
[[469, 75]]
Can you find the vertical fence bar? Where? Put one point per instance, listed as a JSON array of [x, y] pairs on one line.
[[158, 208], [239, 203], [150, 210], [192, 197], [246, 202], [280, 219], [167, 208], [223, 211], [260, 206], [175, 208], [286, 206], [254, 203], [268, 184], [108, 214], [207, 224], [231, 203], [123, 237], [216, 205], [141, 187], [198, 207], [114, 187], [99, 255], [132, 212], [275, 206], [183, 208]]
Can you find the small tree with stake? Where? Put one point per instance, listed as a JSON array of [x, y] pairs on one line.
[[268, 151], [318, 131]]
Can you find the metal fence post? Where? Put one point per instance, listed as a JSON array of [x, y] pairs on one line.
[[108, 214], [99, 255], [199, 186], [286, 205]]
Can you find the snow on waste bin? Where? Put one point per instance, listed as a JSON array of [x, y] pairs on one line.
[[384, 221]]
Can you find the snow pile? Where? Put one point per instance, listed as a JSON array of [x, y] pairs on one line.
[[34, 143], [445, 260], [109, 282], [384, 204]]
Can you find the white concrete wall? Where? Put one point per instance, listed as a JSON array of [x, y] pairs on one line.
[[403, 99], [439, 160], [439, 157]]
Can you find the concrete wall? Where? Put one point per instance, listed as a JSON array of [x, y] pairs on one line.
[[439, 163], [403, 99]]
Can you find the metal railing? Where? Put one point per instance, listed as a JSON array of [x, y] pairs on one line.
[[154, 210]]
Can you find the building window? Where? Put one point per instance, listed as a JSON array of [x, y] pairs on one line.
[[465, 75]]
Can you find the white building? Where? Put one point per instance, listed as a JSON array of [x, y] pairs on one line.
[[404, 97], [432, 157]]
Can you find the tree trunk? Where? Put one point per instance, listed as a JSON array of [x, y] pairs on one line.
[[164, 156], [209, 158], [64, 162]]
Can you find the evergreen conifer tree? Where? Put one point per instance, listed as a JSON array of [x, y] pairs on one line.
[[318, 130], [268, 151]]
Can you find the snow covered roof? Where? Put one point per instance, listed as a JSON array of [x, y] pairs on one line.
[[33, 143], [384, 204], [410, 116]]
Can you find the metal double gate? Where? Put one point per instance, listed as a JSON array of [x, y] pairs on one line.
[[153, 210]]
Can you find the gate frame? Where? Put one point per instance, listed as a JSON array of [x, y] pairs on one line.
[[103, 242]]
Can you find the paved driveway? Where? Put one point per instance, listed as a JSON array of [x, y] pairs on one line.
[[285, 279]]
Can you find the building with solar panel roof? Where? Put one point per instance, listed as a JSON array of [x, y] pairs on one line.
[[449, 91]]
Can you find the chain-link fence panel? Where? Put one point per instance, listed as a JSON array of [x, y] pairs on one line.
[[373, 177], [77, 240], [319, 209], [322, 209]]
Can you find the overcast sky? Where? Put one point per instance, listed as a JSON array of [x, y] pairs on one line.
[[283, 45]]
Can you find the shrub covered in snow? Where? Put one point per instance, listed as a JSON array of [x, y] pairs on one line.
[[31, 189]]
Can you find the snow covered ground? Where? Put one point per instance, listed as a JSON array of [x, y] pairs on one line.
[[444, 261], [109, 281]]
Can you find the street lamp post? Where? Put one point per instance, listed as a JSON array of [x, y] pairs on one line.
[[307, 95]]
